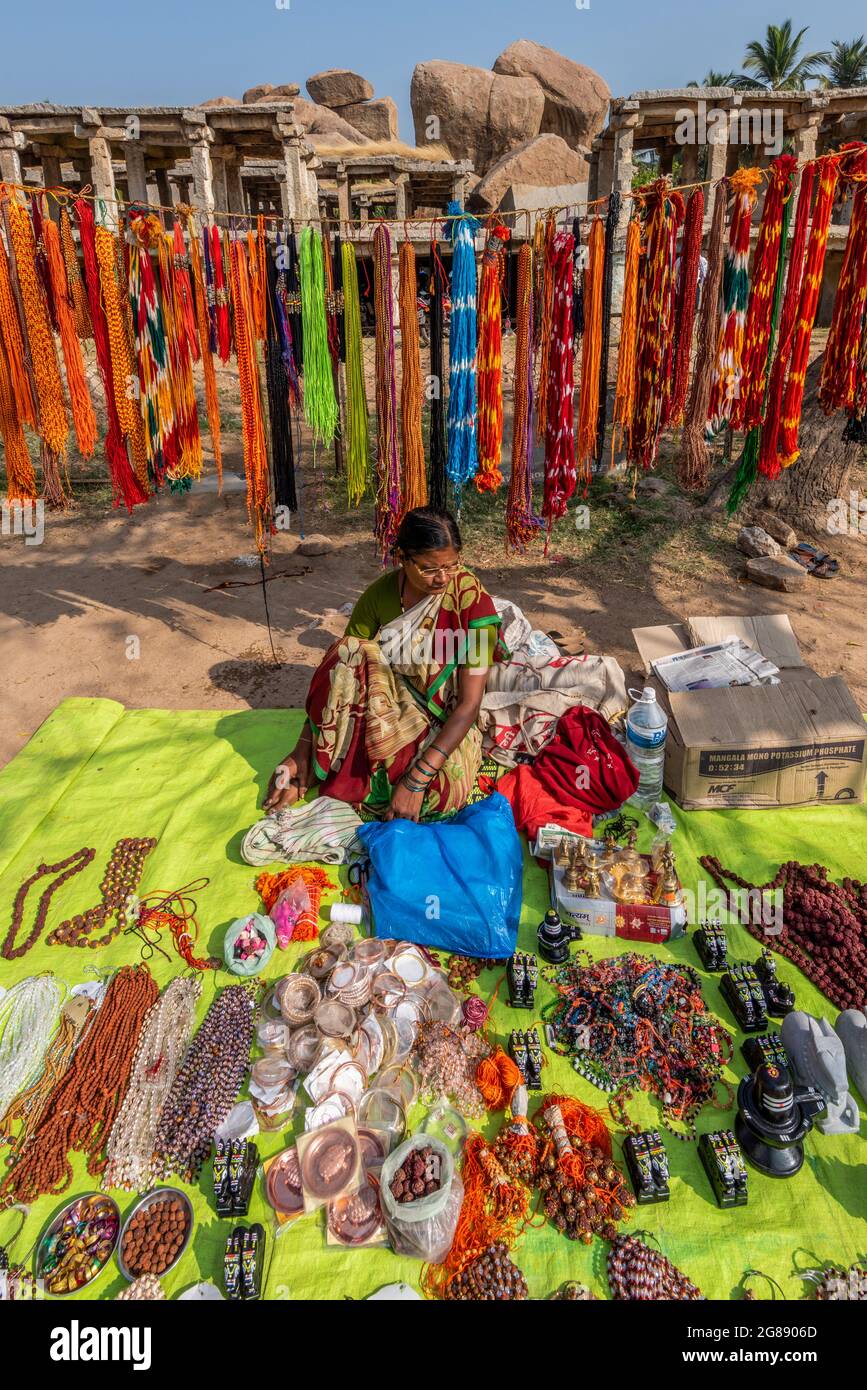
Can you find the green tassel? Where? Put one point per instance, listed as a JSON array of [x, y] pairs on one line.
[[320, 402]]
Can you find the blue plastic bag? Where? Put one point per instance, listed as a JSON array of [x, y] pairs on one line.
[[453, 884]]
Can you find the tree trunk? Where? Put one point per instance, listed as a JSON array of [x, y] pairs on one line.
[[801, 493]]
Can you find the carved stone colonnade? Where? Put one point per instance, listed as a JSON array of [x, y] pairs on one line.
[[200, 152]]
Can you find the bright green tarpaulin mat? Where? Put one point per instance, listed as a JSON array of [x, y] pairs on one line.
[[95, 772]]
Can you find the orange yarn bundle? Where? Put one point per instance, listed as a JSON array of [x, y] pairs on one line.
[[496, 1077], [83, 415], [414, 477], [20, 478], [625, 391], [124, 375], [255, 448], [269, 886], [53, 420], [495, 1210], [490, 363], [77, 291], [184, 292], [13, 341], [591, 357]]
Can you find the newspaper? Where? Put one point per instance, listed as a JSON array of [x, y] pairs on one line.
[[718, 664]]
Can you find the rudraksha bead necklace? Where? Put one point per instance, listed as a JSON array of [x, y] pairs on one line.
[[824, 925], [82, 1107], [66, 869], [122, 875], [636, 1272]]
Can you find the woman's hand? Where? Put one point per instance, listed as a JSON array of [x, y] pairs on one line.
[[405, 805], [283, 788]]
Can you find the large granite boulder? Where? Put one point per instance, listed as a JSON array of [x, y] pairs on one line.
[[267, 92], [338, 87], [375, 119], [544, 162], [321, 121], [479, 115], [220, 101], [576, 97]]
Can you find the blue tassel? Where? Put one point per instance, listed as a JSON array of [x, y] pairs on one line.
[[463, 458]]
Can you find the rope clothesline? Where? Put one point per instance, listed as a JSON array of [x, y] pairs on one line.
[[61, 194]]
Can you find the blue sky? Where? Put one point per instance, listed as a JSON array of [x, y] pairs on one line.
[[171, 52]]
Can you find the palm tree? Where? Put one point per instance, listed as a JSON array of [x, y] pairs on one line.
[[847, 64], [778, 63], [724, 79]]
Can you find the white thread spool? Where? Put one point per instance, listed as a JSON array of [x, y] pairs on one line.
[[346, 912]]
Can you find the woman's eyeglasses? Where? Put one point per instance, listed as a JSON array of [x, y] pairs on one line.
[[437, 569]]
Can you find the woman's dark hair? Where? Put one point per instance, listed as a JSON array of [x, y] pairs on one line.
[[427, 528]]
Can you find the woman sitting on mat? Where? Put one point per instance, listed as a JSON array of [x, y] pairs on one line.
[[393, 707]]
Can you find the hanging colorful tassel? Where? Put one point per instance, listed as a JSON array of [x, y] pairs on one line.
[[625, 391], [591, 355], [253, 427], [212, 401], [152, 351], [320, 403], [490, 374], [279, 414], [686, 300], [842, 383], [560, 475], [20, 478], [665, 211], [189, 454], [521, 521], [747, 408], [123, 371], [436, 478], [414, 479], [126, 486], [463, 459], [388, 506], [357, 420], [748, 463], [222, 327], [53, 421], [694, 465], [543, 299], [83, 415], [612, 221], [83, 326], [768, 461], [12, 337], [726, 383], [793, 396], [578, 281]]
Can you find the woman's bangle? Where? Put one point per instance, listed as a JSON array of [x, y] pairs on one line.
[[412, 786], [434, 748], [422, 763]]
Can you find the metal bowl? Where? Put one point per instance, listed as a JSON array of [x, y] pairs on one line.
[[159, 1194], [54, 1227]]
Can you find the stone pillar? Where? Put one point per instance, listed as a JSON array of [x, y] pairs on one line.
[[689, 164], [11, 142], [623, 167], [52, 177], [805, 137], [164, 192], [717, 159], [344, 199], [234, 186], [102, 177], [401, 202], [203, 178], [221, 194], [136, 174], [182, 184], [606, 147], [201, 137], [459, 187]]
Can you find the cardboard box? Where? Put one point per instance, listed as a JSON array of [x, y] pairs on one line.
[[800, 743]]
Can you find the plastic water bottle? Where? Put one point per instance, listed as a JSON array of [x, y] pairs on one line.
[[646, 727]]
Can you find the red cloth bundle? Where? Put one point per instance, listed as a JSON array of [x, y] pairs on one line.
[[583, 772]]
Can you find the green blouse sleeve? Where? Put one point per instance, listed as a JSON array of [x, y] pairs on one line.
[[378, 605]]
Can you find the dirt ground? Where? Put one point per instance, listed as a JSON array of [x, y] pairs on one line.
[[154, 609]]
